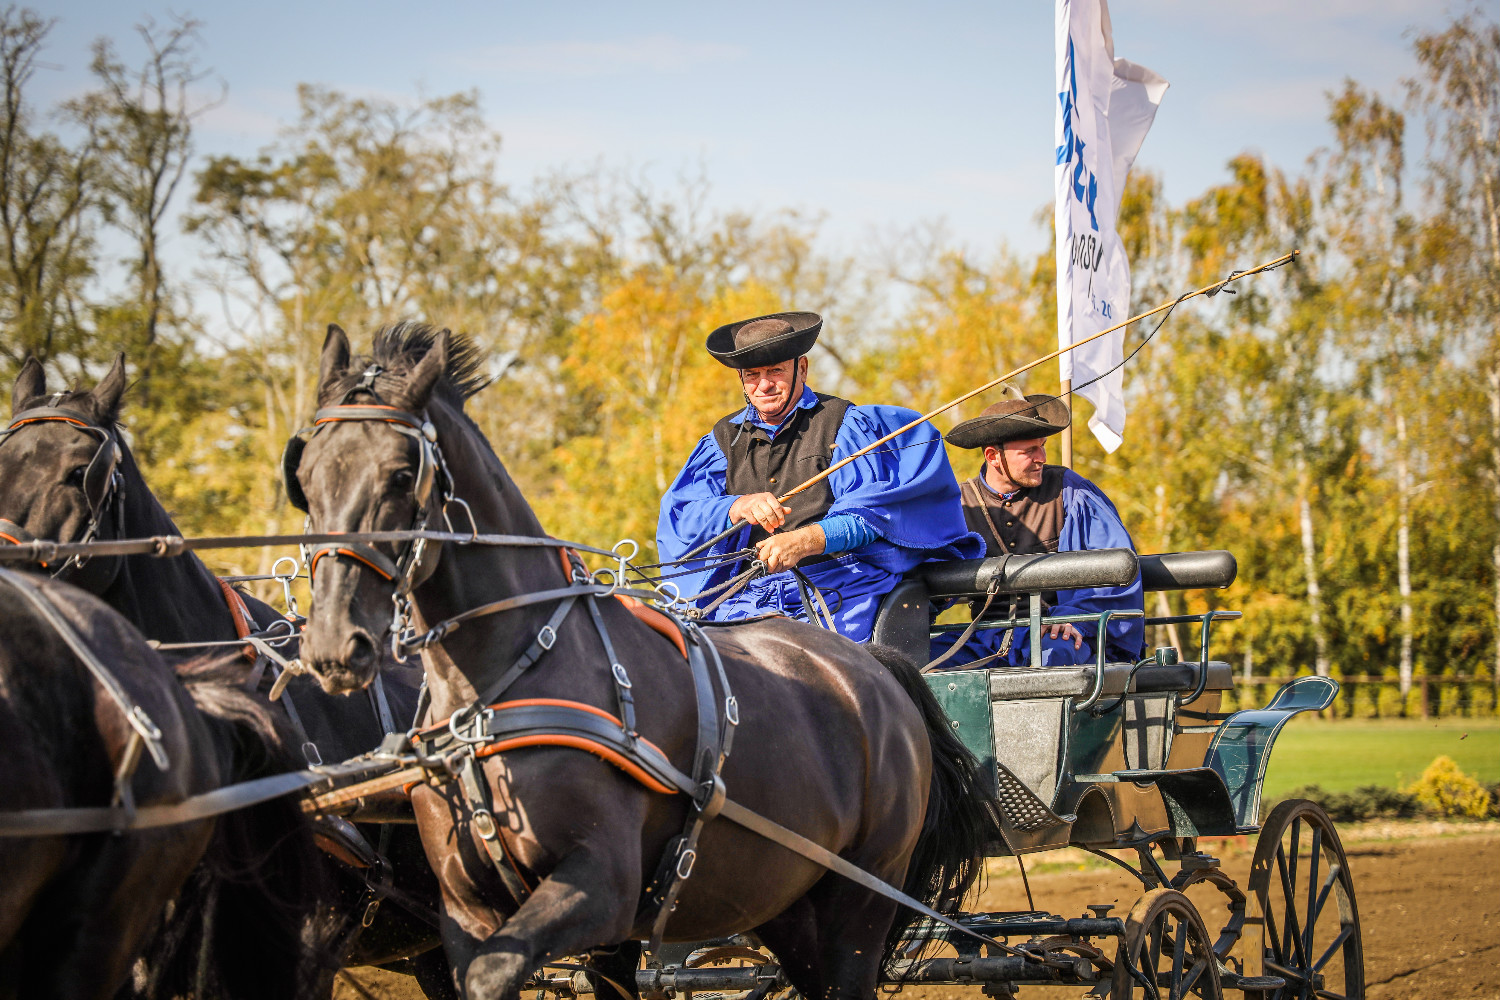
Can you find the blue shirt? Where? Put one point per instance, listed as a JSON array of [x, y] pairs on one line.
[[904, 493]]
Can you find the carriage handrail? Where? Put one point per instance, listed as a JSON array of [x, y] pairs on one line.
[[1195, 570], [1206, 621], [1100, 621], [1023, 574]]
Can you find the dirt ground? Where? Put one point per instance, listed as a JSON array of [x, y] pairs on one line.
[[1428, 897]]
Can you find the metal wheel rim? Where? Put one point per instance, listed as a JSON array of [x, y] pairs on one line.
[[1165, 939], [1291, 947]]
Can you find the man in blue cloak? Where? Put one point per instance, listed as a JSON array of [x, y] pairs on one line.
[[1019, 504], [852, 535]]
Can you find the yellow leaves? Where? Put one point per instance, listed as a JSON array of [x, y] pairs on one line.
[[651, 390]]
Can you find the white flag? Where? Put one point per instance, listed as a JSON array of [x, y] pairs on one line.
[[1105, 107]]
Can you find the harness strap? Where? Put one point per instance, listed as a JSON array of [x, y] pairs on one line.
[[382, 705], [476, 790], [440, 631], [812, 601], [550, 717], [134, 714], [624, 697], [360, 553], [102, 819], [989, 598], [545, 638], [243, 623], [369, 411]]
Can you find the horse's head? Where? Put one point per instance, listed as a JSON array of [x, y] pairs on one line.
[[60, 466], [369, 463]]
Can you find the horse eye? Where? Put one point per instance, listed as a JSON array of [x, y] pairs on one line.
[[75, 476], [402, 480]]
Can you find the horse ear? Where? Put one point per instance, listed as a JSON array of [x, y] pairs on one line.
[[335, 360], [110, 388], [30, 383], [425, 375]]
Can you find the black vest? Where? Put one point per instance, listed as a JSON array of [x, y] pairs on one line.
[[1031, 521], [802, 449]]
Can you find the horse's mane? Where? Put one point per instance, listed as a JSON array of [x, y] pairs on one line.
[[398, 348]]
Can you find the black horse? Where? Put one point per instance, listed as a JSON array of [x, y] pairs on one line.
[[833, 743], [76, 910], [66, 474]]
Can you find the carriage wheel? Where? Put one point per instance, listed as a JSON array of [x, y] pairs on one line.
[[1299, 871], [1234, 898], [1165, 940]]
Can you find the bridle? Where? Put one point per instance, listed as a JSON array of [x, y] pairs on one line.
[[432, 492], [103, 483]]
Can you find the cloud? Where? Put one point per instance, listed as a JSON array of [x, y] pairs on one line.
[[647, 53]]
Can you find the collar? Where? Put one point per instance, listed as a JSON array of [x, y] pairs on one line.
[[984, 481], [751, 416]]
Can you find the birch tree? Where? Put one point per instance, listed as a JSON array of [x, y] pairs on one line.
[[1458, 88]]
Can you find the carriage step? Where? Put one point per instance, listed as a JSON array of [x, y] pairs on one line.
[[1256, 984]]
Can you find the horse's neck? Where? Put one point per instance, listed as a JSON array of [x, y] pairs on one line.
[[467, 577], [175, 599]]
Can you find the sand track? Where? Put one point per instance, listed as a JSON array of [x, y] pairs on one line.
[[1429, 909]]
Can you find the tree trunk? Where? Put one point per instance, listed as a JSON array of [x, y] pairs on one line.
[[1164, 532], [1403, 550], [1310, 569], [1492, 376]]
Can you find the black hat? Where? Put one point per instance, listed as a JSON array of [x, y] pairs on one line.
[[765, 340], [1035, 416]]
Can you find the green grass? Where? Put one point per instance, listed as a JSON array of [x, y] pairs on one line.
[[1341, 755]]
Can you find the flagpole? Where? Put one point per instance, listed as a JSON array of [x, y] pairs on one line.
[[1205, 290], [1067, 432]]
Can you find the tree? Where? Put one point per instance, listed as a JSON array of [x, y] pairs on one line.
[[47, 191], [1458, 87], [143, 122]]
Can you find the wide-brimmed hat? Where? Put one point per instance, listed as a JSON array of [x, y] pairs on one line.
[[765, 340], [1035, 416]]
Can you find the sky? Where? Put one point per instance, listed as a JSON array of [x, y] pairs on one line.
[[874, 116]]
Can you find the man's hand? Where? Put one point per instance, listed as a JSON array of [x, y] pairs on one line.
[[760, 508], [786, 550], [1066, 632]]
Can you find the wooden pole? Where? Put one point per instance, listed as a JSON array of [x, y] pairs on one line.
[[1205, 290], [1067, 432]]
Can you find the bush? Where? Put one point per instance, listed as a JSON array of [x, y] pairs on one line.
[[1444, 790], [1367, 802]]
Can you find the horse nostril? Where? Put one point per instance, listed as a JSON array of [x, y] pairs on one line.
[[359, 651]]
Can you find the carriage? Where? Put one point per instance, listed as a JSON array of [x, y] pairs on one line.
[[1106, 757]]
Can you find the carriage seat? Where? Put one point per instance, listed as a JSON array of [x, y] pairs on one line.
[[1020, 683]]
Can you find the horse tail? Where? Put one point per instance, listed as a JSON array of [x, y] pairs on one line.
[[963, 817], [246, 923]]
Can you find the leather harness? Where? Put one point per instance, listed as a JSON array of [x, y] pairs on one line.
[[452, 749]]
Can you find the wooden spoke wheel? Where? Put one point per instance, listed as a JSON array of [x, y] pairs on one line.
[[1305, 895], [1166, 943]]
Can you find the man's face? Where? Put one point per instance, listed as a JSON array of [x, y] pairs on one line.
[[1022, 459], [770, 389]]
